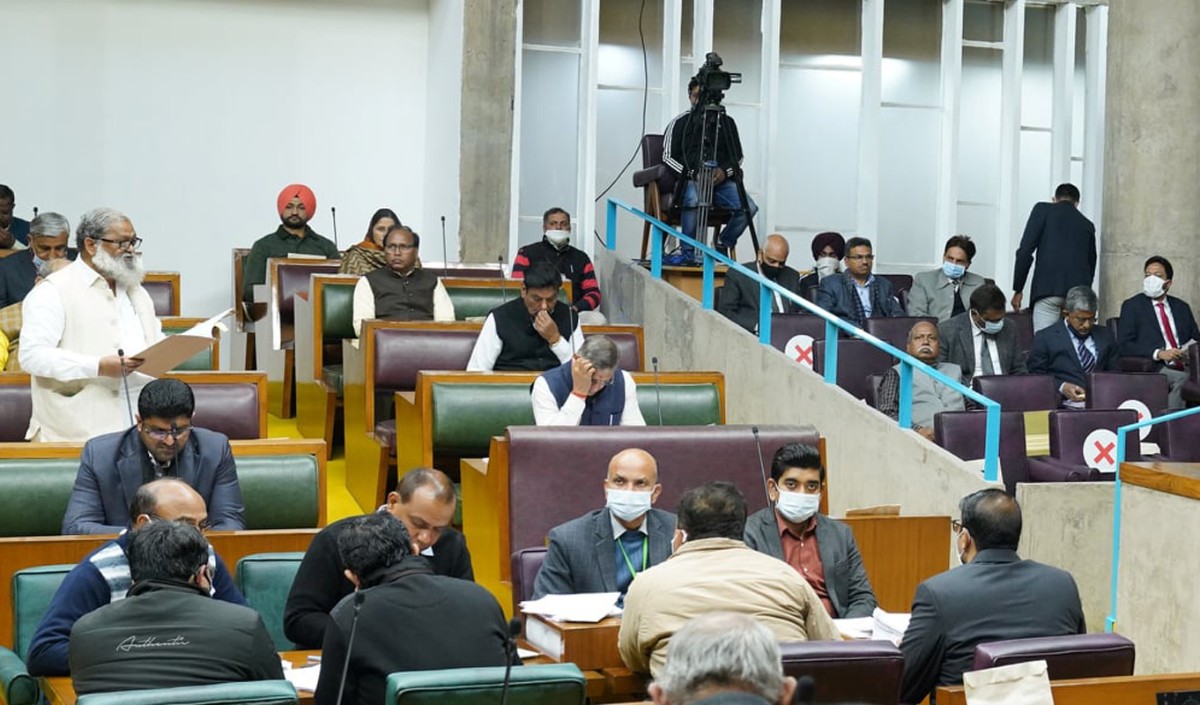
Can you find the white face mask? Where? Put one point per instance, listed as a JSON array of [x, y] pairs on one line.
[[558, 238], [828, 265], [1153, 286], [627, 505], [797, 507]]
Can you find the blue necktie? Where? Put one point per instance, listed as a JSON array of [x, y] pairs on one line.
[[1086, 359], [628, 553]]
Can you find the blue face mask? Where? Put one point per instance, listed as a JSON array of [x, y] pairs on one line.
[[990, 327], [38, 262], [952, 270]]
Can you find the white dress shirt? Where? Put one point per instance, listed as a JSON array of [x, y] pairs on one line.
[[980, 341], [364, 304], [488, 347], [546, 411]]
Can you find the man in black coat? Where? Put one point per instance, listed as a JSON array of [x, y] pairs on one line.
[[1075, 348], [424, 502], [1065, 242], [1159, 327], [48, 235], [740, 296], [993, 596]]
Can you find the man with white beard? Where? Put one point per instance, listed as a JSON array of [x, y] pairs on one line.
[[78, 326]]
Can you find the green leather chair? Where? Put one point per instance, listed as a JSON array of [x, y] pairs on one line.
[[682, 404], [32, 590], [247, 693], [466, 416], [265, 579], [280, 491], [551, 684], [337, 324], [20, 688], [34, 494], [477, 302]]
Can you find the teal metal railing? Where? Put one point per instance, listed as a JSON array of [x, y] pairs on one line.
[[659, 229], [1111, 621]]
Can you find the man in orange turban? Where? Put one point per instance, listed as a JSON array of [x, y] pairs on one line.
[[297, 205]]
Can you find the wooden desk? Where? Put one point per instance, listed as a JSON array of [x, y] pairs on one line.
[[690, 280], [593, 648], [1122, 690]]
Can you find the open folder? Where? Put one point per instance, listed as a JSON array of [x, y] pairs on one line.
[[174, 350]]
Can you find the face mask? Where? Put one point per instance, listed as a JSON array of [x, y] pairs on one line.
[[38, 262], [558, 238], [627, 504], [952, 270], [797, 507], [826, 266], [1153, 287], [990, 327], [770, 271], [1077, 334]]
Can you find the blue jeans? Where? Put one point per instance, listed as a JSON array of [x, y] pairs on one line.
[[725, 195]]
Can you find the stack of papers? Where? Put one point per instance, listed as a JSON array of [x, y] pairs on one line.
[[172, 350], [304, 678], [582, 607], [855, 627], [889, 626]]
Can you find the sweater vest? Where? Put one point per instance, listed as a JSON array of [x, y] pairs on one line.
[[604, 408], [403, 298], [522, 347]]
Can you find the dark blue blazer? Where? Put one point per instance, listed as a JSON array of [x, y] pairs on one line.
[[110, 471], [1053, 353], [836, 295], [1065, 241], [16, 277], [1138, 333]]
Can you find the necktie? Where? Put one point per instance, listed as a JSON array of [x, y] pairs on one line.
[[1086, 359], [631, 558], [985, 358], [958, 302], [1166, 324]]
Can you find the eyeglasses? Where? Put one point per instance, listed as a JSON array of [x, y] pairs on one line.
[[956, 525], [861, 258], [161, 434], [399, 248], [123, 245], [203, 525]]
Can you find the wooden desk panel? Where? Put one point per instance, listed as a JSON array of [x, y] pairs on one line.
[[1181, 479], [1122, 690], [899, 552]]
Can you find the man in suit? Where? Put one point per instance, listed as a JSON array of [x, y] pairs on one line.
[[740, 295], [1160, 327], [18, 272], [828, 251], [943, 292], [1065, 242], [163, 443], [981, 341], [856, 294], [604, 550], [13, 231], [1075, 348], [820, 549], [993, 596]]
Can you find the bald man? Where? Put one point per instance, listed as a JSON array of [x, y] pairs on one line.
[[605, 549], [929, 397], [740, 295], [297, 205], [103, 576]]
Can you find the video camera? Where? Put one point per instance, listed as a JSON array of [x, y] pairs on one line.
[[713, 81]]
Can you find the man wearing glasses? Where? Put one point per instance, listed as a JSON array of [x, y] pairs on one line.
[[588, 390], [1074, 349], [856, 294], [80, 329], [401, 291], [163, 443], [103, 576]]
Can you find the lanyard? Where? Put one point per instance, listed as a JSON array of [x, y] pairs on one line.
[[645, 555]]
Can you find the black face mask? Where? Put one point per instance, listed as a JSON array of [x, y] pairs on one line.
[[770, 271]]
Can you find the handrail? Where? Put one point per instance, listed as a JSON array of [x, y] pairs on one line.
[[1111, 620], [991, 455]]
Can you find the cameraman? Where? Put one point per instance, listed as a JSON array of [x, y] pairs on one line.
[[682, 145]]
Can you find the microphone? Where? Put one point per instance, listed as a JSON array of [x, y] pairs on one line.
[[762, 468], [657, 393], [35, 211], [445, 253], [806, 691], [333, 214], [125, 384], [503, 288], [510, 649], [571, 316], [359, 598]]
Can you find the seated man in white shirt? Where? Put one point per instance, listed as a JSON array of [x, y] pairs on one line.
[[534, 332], [590, 390], [400, 290], [80, 329]]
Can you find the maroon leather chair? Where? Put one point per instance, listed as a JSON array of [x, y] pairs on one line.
[[1019, 392], [234, 409], [659, 184], [1024, 323], [901, 284], [963, 433], [895, 330], [568, 464], [161, 294], [293, 279], [1068, 430], [862, 672], [1179, 440], [873, 390], [525, 566], [857, 360], [17, 402], [1071, 656], [1108, 390], [786, 325]]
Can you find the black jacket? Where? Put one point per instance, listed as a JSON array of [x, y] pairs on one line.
[[320, 583], [1065, 241], [412, 621], [682, 141], [1054, 352], [740, 296], [166, 635], [17, 275], [572, 262]]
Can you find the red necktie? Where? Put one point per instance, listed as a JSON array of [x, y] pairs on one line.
[[1166, 324]]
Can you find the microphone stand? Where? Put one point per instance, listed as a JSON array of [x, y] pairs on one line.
[[125, 385], [657, 393]]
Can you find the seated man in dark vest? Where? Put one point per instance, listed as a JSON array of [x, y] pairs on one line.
[[532, 332], [589, 390], [401, 291]]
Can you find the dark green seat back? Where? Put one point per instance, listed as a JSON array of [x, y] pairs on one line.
[[34, 494], [466, 416], [201, 361], [547, 684], [280, 491], [477, 302], [278, 692], [266, 579], [337, 311], [32, 590], [19, 688], [682, 404]]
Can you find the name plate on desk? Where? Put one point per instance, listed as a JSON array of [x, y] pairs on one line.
[[591, 647]]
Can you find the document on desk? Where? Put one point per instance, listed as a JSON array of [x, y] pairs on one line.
[[855, 627], [304, 678], [174, 350], [588, 607], [889, 625]]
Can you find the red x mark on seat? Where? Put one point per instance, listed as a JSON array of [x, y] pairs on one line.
[[1105, 452], [804, 355]]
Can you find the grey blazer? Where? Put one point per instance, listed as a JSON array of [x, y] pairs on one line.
[[845, 577], [580, 556], [957, 345], [932, 294]]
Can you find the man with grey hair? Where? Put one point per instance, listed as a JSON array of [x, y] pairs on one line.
[[588, 390], [47, 241], [1075, 348], [929, 397], [80, 328], [723, 658]]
